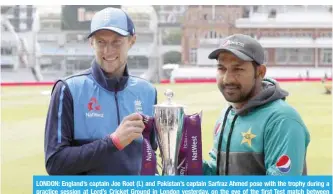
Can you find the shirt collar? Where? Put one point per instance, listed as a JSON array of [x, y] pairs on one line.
[[112, 84]]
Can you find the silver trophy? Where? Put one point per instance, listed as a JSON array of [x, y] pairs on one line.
[[168, 118]]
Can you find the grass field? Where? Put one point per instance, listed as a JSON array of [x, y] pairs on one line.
[[24, 112]]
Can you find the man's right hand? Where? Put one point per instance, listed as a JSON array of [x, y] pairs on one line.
[[129, 129]]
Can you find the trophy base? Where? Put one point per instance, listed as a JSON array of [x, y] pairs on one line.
[[169, 171]]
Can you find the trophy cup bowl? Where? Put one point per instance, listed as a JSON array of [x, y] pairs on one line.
[[169, 118]]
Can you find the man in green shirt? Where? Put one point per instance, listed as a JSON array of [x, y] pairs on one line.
[[259, 133]]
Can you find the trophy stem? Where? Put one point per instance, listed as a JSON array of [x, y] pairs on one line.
[[169, 143], [169, 168]]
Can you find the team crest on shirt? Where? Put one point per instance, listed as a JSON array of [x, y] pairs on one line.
[[138, 106], [284, 164], [248, 137]]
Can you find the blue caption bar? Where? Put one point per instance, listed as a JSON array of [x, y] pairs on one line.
[[182, 185]]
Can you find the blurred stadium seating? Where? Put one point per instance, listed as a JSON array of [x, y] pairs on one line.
[[43, 43]]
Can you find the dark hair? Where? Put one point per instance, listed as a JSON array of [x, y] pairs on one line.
[[255, 65]]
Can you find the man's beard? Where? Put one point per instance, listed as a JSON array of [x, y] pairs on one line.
[[239, 95]]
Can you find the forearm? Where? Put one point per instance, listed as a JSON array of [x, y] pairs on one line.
[[79, 159]]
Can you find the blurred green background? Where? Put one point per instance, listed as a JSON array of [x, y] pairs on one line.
[[24, 113]]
